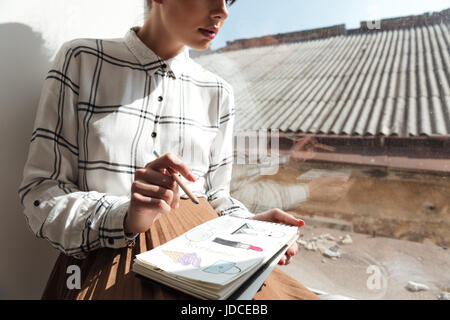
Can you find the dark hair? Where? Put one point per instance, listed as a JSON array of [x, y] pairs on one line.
[[229, 3]]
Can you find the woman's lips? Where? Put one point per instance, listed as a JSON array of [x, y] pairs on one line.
[[208, 34]]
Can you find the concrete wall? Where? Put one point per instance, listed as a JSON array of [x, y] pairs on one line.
[[31, 32]]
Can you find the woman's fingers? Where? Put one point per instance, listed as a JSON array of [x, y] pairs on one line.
[[176, 198], [285, 260], [155, 203], [170, 160], [282, 217], [279, 216], [156, 182], [153, 191], [282, 260], [153, 177], [292, 251]]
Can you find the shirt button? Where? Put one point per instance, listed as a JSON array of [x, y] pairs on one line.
[[160, 98], [153, 134], [164, 66], [36, 203], [111, 241]]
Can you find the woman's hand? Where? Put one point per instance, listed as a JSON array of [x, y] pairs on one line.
[[154, 192], [279, 216], [328, 189]]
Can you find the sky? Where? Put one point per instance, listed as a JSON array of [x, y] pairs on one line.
[[254, 18]]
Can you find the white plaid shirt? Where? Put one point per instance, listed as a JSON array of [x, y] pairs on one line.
[[105, 106]]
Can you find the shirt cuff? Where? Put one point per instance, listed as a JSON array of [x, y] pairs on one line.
[[296, 193], [112, 233]]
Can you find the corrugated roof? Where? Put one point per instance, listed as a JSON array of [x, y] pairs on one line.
[[393, 83]]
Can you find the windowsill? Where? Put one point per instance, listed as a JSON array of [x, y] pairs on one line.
[[399, 261]]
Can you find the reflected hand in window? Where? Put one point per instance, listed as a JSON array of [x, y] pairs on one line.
[[329, 188], [305, 148]]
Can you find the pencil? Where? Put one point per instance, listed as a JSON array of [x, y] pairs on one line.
[[180, 183]]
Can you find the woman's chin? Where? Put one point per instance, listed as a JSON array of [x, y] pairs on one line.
[[201, 47], [204, 44]]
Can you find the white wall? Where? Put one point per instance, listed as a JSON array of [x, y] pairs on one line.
[[31, 32]]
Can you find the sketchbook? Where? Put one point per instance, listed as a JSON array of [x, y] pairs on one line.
[[227, 257]]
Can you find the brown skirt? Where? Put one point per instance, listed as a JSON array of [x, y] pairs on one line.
[[106, 274]]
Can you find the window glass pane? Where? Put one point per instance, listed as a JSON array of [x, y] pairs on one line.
[[349, 102]]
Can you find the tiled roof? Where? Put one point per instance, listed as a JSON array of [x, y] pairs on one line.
[[391, 82]]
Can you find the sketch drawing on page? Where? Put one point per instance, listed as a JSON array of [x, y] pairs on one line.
[[184, 258], [226, 267], [248, 229], [236, 244], [223, 266], [198, 235]]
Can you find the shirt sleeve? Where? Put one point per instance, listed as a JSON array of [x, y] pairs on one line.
[[265, 195], [218, 177], [72, 220]]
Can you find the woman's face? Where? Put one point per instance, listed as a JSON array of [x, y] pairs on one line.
[[187, 21]]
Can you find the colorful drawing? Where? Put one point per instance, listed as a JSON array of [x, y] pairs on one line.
[[222, 266], [236, 244], [184, 258]]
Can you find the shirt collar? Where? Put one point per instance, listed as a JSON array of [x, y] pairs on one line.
[[174, 66]]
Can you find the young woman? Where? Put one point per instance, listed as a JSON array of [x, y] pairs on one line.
[[91, 179]]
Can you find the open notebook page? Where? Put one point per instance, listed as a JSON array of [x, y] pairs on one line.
[[219, 251]]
